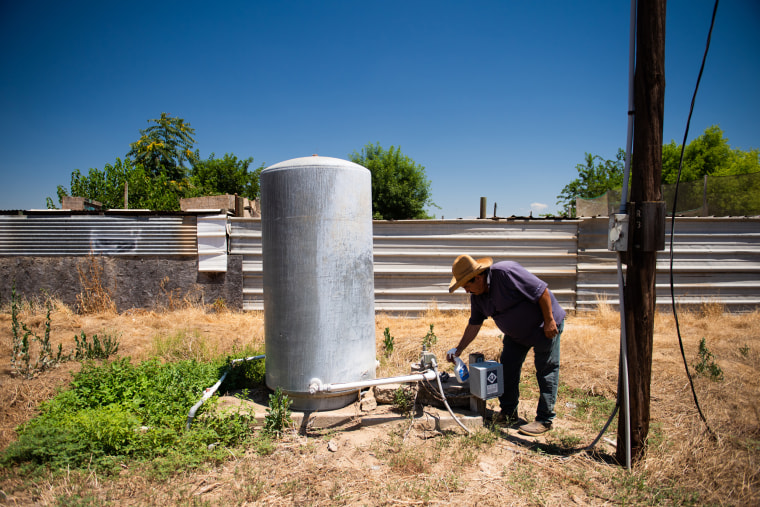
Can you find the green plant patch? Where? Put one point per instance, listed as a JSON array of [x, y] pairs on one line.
[[633, 489], [590, 407], [120, 411]]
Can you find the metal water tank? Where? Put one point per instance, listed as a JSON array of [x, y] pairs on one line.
[[319, 308]]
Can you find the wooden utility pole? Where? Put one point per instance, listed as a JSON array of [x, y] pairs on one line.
[[646, 221]]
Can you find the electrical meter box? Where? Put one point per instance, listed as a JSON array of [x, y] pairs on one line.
[[486, 379]]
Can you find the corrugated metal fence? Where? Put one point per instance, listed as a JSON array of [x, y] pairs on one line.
[[79, 235], [715, 260]]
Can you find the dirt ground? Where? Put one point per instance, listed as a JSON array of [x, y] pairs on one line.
[[406, 462]]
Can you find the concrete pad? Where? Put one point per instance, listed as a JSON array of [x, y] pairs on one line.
[[431, 417]]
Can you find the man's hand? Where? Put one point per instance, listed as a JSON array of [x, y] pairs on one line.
[[451, 354], [545, 303], [550, 329]]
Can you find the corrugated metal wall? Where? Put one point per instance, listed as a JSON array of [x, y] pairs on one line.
[[245, 240], [413, 258], [714, 260], [123, 234]]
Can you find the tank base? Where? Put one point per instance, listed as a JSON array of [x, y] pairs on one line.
[[305, 402]]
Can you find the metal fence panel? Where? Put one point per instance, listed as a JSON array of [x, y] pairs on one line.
[[412, 259], [56, 235], [715, 260]]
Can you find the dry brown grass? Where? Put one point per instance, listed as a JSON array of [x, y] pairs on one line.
[[375, 466], [94, 296]]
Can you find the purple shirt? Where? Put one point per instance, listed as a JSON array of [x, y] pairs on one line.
[[512, 302]]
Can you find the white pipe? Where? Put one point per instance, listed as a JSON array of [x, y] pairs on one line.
[[624, 365], [624, 385], [209, 392], [623, 206], [316, 385]]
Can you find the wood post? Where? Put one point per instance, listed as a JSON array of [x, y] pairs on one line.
[[639, 297]]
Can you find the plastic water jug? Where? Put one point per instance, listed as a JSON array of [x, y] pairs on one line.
[[460, 370]]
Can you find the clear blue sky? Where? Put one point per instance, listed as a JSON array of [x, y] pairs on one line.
[[494, 98]]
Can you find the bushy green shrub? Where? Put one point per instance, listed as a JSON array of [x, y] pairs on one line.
[[120, 411]]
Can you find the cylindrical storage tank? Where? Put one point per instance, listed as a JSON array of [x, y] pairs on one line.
[[319, 308]]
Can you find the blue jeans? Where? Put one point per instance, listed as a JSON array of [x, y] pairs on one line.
[[547, 373]]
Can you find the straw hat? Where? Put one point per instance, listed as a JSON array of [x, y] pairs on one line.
[[465, 268]]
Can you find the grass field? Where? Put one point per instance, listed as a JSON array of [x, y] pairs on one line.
[[404, 464]]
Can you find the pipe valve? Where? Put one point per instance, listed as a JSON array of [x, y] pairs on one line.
[[315, 385]]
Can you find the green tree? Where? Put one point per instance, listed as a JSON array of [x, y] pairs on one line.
[[227, 175], [400, 188], [595, 177], [145, 190], [157, 178], [707, 155], [106, 186], [164, 147]]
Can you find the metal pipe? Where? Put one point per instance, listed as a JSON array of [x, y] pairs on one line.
[[316, 385], [624, 365], [623, 206]]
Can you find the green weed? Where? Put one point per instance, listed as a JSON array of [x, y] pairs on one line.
[[563, 440], [23, 360], [278, 413], [706, 364], [633, 489], [430, 339], [97, 349], [219, 305], [483, 437], [403, 400], [387, 342], [523, 479], [590, 407]]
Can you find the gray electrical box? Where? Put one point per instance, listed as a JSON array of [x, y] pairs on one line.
[[618, 235], [486, 379]]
